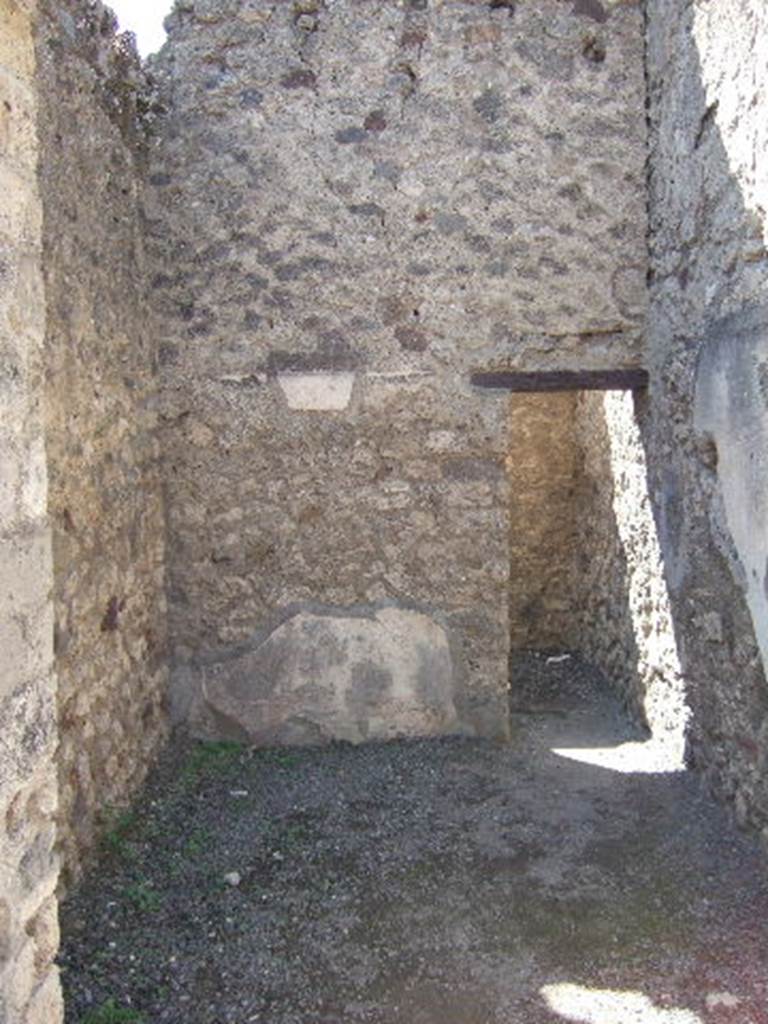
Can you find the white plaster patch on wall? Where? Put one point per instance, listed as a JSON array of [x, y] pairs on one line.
[[373, 676], [730, 409], [317, 392]]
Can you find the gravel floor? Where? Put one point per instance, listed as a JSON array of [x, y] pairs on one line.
[[428, 882]]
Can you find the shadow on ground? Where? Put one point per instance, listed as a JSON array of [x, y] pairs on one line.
[[430, 882]]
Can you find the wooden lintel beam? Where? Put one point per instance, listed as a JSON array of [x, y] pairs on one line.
[[562, 380]]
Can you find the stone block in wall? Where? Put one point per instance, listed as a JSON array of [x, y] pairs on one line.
[[16, 51], [344, 674], [317, 391], [45, 1005], [19, 211], [29, 864], [18, 139]]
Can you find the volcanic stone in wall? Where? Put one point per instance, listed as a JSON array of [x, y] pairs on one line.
[[437, 181], [343, 675]]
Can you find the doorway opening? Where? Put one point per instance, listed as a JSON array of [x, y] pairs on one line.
[[586, 573]]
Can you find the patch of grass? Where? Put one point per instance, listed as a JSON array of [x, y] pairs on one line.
[[197, 843], [286, 759], [282, 758], [143, 896], [153, 828], [110, 1013], [117, 825], [293, 835], [210, 757]]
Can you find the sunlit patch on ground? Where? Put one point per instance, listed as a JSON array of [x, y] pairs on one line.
[[600, 1006], [638, 757]]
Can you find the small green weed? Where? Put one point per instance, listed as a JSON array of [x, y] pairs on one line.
[[153, 828], [197, 843], [111, 1013], [175, 871], [292, 835], [143, 897], [211, 757], [117, 826], [283, 758]]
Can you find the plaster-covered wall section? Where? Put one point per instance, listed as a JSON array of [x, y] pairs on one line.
[[354, 205], [709, 364], [731, 416], [105, 489], [29, 992]]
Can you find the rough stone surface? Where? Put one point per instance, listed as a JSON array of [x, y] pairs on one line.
[[708, 353], [403, 193], [623, 614], [105, 490], [379, 674], [352, 208], [385, 502], [445, 182], [29, 990], [544, 465]]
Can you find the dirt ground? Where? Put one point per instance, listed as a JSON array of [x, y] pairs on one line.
[[431, 882]]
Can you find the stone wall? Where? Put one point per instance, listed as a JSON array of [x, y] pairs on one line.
[[352, 207], [708, 353], [29, 991], [355, 205], [623, 613], [105, 489]]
